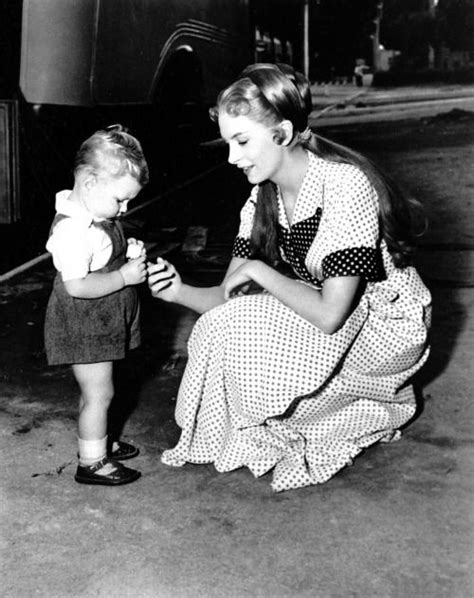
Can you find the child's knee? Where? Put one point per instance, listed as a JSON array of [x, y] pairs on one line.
[[97, 396]]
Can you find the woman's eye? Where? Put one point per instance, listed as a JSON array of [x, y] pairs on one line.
[[242, 142]]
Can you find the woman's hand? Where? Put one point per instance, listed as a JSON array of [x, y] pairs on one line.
[[164, 281], [134, 271], [239, 281]]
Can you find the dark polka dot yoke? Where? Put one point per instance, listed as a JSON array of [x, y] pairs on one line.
[[241, 248], [296, 242], [354, 261]]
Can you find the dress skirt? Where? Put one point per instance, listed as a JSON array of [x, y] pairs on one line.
[[266, 389]]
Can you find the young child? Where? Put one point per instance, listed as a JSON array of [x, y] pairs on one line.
[[92, 318]]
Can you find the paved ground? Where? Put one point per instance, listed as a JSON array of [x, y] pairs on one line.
[[398, 524], [343, 104]]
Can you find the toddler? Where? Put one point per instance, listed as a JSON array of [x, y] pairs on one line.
[[92, 318]]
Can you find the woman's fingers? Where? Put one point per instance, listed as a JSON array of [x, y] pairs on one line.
[[160, 267], [160, 275], [162, 284]]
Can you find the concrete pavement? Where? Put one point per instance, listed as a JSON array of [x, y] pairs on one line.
[[335, 105]]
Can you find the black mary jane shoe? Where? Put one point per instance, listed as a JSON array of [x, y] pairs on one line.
[[120, 450], [86, 474]]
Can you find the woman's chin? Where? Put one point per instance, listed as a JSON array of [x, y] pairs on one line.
[[253, 177]]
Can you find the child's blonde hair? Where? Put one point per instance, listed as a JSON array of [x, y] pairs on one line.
[[115, 151]]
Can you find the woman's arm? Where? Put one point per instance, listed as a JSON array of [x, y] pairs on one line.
[[327, 309], [165, 283], [100, 284]]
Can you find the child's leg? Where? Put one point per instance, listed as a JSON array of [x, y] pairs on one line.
[[97, 390]]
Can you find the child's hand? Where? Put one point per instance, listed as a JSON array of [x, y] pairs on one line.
[[135, 248], [134, 271]]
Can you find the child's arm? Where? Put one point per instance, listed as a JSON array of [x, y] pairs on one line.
[[100, 284]]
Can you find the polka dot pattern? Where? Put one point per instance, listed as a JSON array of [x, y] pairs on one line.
[[354, 261], [241, 248], [265, 389], [295, 243]]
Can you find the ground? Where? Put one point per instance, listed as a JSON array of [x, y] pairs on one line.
[[397, 524]]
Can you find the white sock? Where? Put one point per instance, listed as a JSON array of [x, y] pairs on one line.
[[91, 451]]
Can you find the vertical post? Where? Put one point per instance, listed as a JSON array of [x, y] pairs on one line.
[[376, 38], [306, 38], [9, 163]]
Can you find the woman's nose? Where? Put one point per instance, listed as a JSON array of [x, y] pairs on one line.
[[234, 154], [123, 207]]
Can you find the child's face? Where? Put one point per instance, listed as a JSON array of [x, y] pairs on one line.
[[108, 197]]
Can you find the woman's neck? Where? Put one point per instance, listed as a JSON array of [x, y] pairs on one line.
[[293, 172]]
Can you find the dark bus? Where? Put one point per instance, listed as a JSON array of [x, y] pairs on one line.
[[130, 52], [154, 65]]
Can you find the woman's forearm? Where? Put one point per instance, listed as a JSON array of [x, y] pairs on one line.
[[200, 299], [165, 283], [327, 309]]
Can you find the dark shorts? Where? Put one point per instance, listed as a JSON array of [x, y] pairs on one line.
[[91, 330]]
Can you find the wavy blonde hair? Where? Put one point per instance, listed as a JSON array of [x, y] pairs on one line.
[[115, 151]]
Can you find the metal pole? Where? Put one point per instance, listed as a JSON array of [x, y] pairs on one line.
[[376, 38], [306, 38]]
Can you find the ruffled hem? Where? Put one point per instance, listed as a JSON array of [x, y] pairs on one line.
[[295, 461]]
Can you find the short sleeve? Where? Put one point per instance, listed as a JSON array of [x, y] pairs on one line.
[[241, 247], [69, 248], [349, 233]]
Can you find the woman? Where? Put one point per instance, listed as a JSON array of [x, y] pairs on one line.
[[302, 355]]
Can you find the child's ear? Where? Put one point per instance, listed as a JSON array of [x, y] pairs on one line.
[[90, 181]]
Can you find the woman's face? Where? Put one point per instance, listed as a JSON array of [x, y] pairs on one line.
[[251, 147]]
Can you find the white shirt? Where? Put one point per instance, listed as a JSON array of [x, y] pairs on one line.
[[76, 245]]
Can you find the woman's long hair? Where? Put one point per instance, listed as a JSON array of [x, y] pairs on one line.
[[270, 93]]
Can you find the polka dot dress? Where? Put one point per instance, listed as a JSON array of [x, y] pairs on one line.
[[265, 389]]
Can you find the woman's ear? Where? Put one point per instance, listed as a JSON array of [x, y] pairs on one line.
[[284, 133]]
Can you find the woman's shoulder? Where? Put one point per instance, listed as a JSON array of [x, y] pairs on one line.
[[343, 179], [342, 172]]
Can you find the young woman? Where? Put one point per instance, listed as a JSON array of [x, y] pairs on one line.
[[304, 352]]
